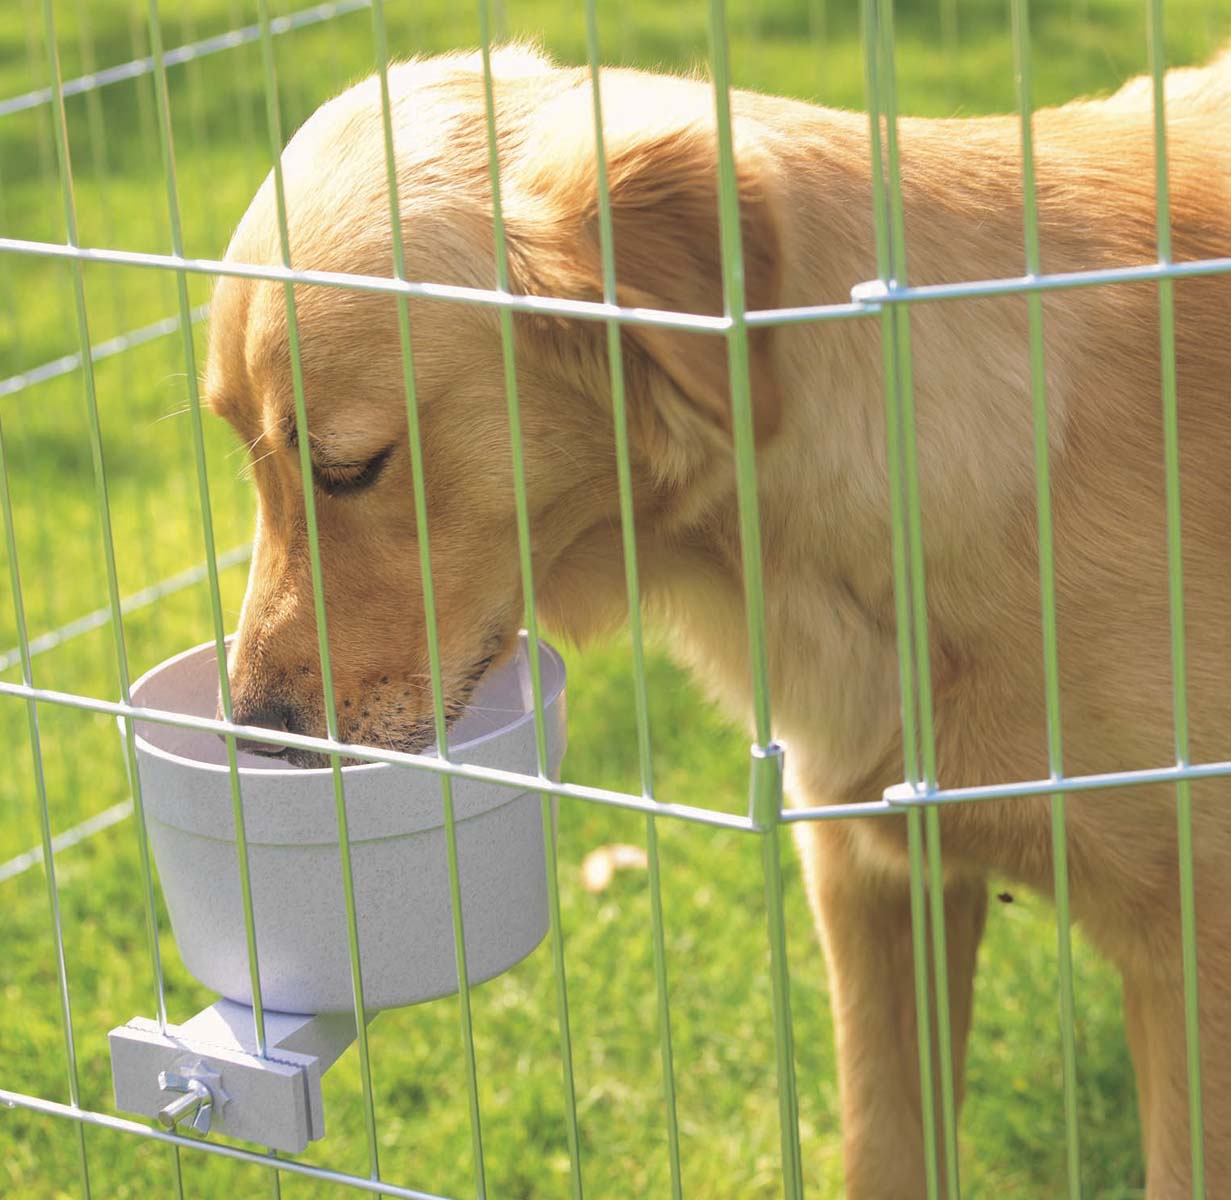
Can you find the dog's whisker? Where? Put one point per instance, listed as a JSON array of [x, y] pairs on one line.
[[490, 711], [175, 412], [244, 447], [245, 472]]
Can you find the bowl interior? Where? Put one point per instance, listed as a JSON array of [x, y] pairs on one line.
[[189, 684]]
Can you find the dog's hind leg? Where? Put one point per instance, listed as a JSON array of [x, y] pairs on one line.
[[863, 915]]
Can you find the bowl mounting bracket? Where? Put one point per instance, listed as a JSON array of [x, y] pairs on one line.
[[208, 1074]]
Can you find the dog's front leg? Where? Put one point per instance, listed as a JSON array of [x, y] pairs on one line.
[[863, 915], [1155, 1017]]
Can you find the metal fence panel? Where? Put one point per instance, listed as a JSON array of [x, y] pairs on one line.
[[889, 300]]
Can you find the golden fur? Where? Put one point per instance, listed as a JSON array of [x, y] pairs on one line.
[[818, 400]]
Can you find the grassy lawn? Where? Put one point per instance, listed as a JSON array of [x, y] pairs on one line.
[[712, 884]]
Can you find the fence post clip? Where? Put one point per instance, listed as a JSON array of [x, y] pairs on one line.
[[765, 785]]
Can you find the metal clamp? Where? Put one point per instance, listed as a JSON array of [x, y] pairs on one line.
[[765, 785], [905, 795], [873, 293]]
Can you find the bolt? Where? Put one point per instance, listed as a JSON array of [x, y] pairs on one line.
[[196, 1101], [202, 1094]]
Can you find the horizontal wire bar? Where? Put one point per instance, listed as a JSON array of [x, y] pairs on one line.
[[876, 291], [397, 758], [181, 54], [142, 599], [810, 312], [584, 310], [68, 363], [904, 796], [70, 837], [897, 798], [52, 1108], [843, 812], [866, 298]]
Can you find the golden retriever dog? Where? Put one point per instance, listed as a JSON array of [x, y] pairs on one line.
[[817, 394]]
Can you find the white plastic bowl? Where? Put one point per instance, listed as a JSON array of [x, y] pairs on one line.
[[398, 850]]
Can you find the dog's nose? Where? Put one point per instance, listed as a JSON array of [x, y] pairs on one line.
[[268, 714]]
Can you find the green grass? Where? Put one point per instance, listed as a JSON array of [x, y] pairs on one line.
[[713, 897]]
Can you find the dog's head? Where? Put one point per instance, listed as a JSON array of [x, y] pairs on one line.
[[663, 173]]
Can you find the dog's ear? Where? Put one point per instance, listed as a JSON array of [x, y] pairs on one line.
[[663, 187], [667, 240]]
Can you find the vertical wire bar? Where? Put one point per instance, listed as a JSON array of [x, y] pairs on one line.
[[121, 654], [274, 121], [901, 570], [910, 464], [98, 154], [43, 556], [1047, 598], [46, 138], [766, 789], [940, 981], [296, 93], [167, 145], [766, 777], [949, 34], [100, 163], [510, 377], [64, 162], [208, 199], [143, 90], [44, 816], [144, 87], [49, 594], [665, 1049], [923, 1020], [615, 360], [8, 287], [340, 65], [527, 574], [905, 400], [818, 18], [47, 170], [500, 20], [380, 37], [740, 381], [147, 127], [196, 111], [885, 255], [1175, 577], [243, 107]]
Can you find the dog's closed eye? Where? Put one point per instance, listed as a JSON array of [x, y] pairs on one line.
[[347, 479]]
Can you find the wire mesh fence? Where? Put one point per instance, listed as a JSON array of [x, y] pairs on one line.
[[133, 139]]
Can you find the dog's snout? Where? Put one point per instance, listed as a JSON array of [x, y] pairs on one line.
[[268, 714]]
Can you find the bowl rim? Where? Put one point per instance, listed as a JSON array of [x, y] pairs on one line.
[[550, 698]]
